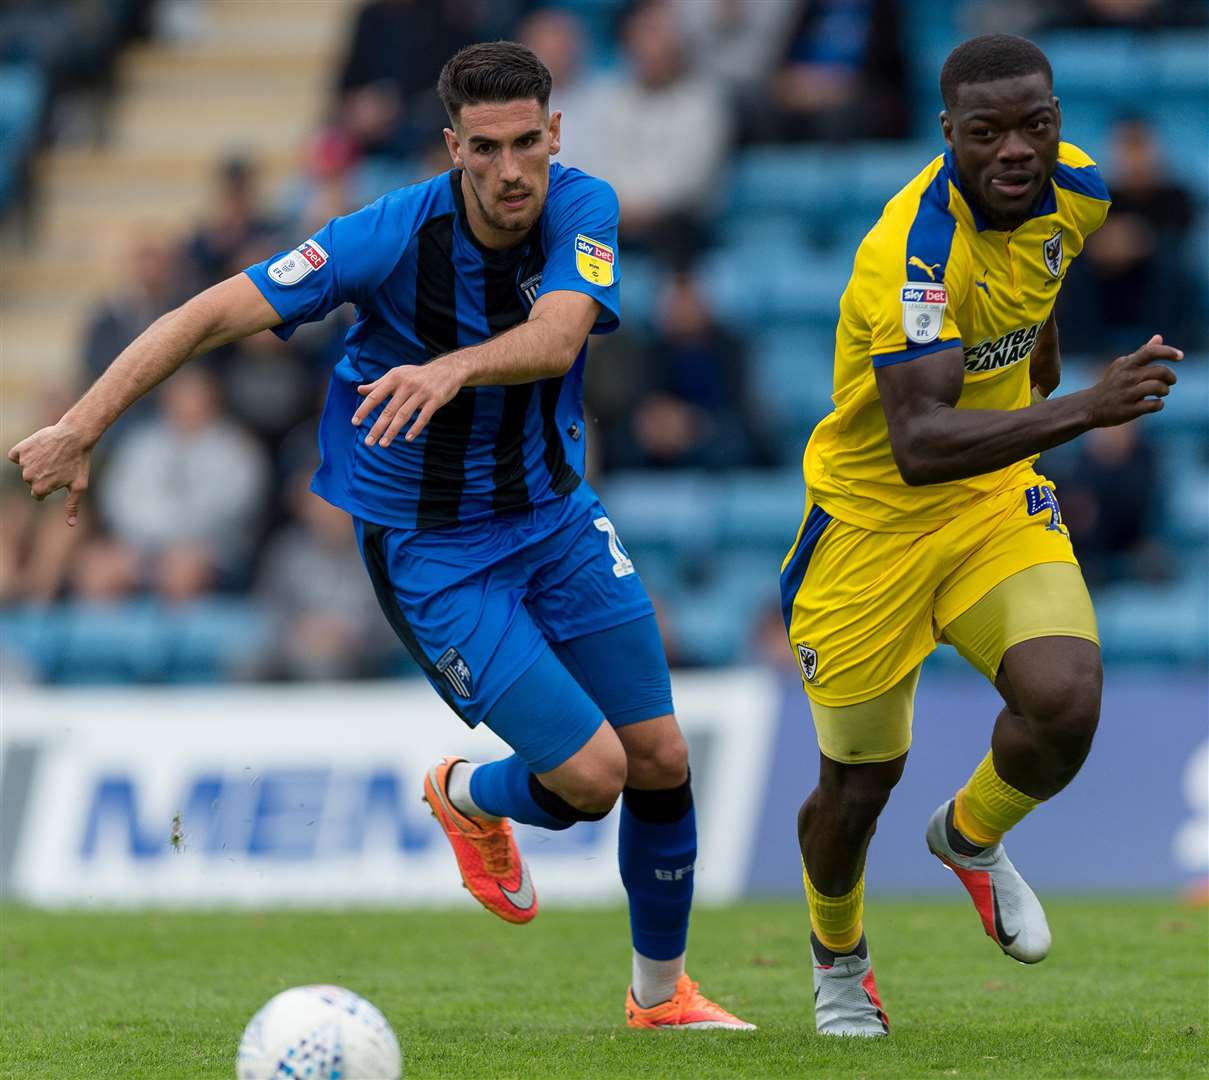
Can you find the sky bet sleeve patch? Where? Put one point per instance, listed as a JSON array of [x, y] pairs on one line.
[[594, 261], [923, 311], [294, 265]]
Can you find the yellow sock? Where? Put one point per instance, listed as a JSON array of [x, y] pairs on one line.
[[988, 806], [836, 919]]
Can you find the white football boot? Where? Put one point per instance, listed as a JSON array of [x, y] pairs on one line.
[[1010, 911], [846, 1001]]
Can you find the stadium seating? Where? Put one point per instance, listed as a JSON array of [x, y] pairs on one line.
[[22, 92]]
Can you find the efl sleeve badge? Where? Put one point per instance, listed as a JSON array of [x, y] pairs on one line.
[[294, 265], [594, 261], [923, 312]]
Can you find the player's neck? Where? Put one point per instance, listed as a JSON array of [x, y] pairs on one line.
[[483, 231]]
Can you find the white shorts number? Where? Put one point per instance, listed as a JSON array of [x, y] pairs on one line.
[[622, 565]]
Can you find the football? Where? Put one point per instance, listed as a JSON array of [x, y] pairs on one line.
[[318, 1033]]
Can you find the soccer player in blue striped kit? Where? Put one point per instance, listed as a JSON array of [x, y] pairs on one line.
[[453, 433]]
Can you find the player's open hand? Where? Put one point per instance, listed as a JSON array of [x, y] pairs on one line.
[[408, 390], [53, 458], [1134, 385]]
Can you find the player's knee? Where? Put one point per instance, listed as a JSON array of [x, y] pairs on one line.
[[1065, 711], [594, 785], [662, 765]]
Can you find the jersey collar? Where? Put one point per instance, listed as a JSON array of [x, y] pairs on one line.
[[1047, 205]]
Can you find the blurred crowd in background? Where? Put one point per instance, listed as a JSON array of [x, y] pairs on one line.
[[698, 112]]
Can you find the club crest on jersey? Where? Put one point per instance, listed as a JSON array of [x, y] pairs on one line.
[[923, 311], [457, 672], [530, 286], [294, 265], [594, 260], [808, 658], [1052, 250]]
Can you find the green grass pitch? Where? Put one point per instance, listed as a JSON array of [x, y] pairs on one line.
[[141, 995]]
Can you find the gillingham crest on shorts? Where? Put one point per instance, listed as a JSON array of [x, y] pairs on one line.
[[594, 260], [1052, 250], [809, 660], [294, 265], [457, 672], [923, 311]]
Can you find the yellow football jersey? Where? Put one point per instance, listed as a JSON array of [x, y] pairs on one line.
[[930, 275]]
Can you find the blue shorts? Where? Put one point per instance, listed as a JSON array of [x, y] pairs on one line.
[[479, 605]]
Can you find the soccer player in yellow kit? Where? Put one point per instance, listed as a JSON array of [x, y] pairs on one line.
[[925, 520]]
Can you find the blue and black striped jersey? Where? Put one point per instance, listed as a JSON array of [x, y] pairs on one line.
[[423, 286]]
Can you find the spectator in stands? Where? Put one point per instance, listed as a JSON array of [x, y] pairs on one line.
[[386, 87], [739, 42], [311, 580], [152, 286], [844, 75], [269, 385], [660, 137], [1126, 14], [1108, 486], [1134, 275], [695, 411], [558, 39], [238, 222], [187, 489]]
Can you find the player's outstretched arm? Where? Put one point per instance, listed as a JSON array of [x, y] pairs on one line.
[[934, 442], [543, 347], [59, 456]]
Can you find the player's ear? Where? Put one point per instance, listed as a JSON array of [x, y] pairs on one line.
[[946, 127], [454, 147], [1058, 114], [556, 127]]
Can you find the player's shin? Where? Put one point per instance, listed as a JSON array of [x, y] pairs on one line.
[[987, 806], [657, 850], [508, 789], [837, 921]]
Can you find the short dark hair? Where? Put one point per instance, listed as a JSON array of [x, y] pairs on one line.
[[492, 71], [990, 57]]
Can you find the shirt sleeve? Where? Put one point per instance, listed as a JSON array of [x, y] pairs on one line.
[[910, 313], [346, 260], [580, 236]]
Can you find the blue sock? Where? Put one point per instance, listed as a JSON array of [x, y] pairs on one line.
[[656, 850], [505, 788]]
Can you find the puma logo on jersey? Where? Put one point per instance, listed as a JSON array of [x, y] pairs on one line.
[[928, 268]]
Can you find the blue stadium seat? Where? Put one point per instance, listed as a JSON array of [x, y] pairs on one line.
[[820, 183], [669, 511], [135, 641], [22, 92], [760, 509], [1168, 623], [792, 376]]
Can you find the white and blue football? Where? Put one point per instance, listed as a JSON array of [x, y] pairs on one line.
[[318, 1033]]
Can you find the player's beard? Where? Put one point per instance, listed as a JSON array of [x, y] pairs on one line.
[[514, 224]]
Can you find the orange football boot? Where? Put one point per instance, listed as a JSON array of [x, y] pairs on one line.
[[488, 858], [687, 1010]]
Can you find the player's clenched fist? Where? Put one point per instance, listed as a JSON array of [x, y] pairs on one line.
[[53, 458], [1134, 385], [408, 390]]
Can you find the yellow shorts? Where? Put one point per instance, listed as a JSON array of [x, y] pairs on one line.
[[865, 608]]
